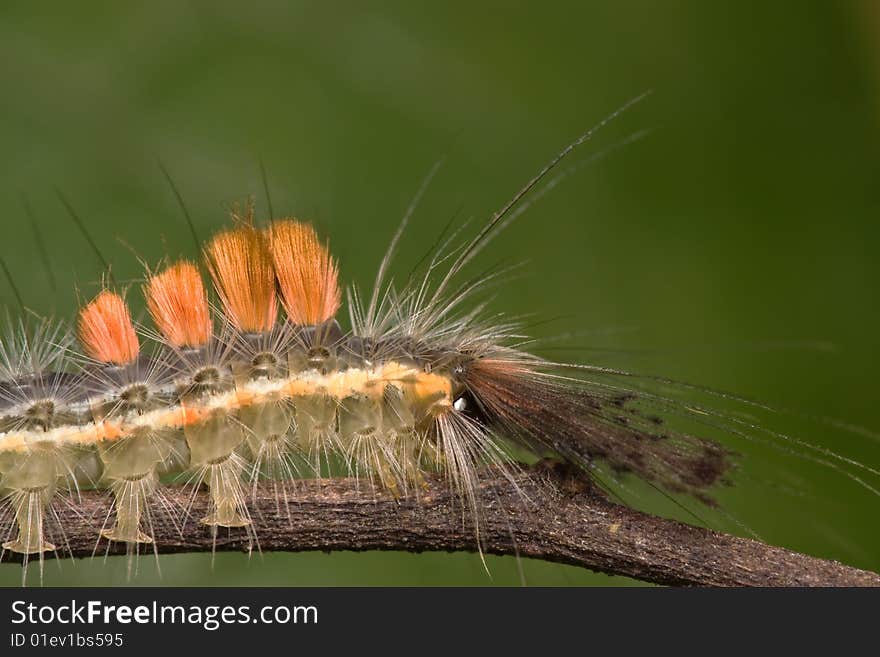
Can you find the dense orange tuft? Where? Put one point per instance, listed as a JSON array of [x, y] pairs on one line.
[[307, 274], [241, 268], [106, 331], [178, 304]]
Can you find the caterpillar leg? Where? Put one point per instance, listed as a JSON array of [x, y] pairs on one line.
[[407, 439], [227, 497], [315, 423], [130, 503], [268, 426], [130, 467], [212, 445], [30, 508], [31, 478], [368, 444]]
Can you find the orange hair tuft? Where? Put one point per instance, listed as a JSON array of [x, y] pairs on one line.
[[241, 268], [178, 304], [307, 274], [106, 330]]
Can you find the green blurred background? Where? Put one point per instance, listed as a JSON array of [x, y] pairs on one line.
[[734, 247]]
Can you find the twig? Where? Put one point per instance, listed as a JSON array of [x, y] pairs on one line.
[[565, 521]]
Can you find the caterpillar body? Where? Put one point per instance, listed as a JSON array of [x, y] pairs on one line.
[[265, 384]]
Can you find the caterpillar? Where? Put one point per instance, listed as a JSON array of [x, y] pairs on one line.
[[258, 380]]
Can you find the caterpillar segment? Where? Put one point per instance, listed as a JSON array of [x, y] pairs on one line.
[[34, 403], [129, 459]]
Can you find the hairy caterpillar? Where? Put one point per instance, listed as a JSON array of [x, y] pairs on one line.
[[269, 386]]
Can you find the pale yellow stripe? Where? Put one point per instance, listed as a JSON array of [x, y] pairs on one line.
[[413, 382]]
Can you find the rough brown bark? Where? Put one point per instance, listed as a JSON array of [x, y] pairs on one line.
[[566, 521]]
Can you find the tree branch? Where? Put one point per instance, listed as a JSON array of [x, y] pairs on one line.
[[566, 520]]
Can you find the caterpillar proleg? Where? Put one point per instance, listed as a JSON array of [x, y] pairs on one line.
[[267, 385]]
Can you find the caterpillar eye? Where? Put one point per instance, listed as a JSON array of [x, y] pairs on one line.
[[460, 404]]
